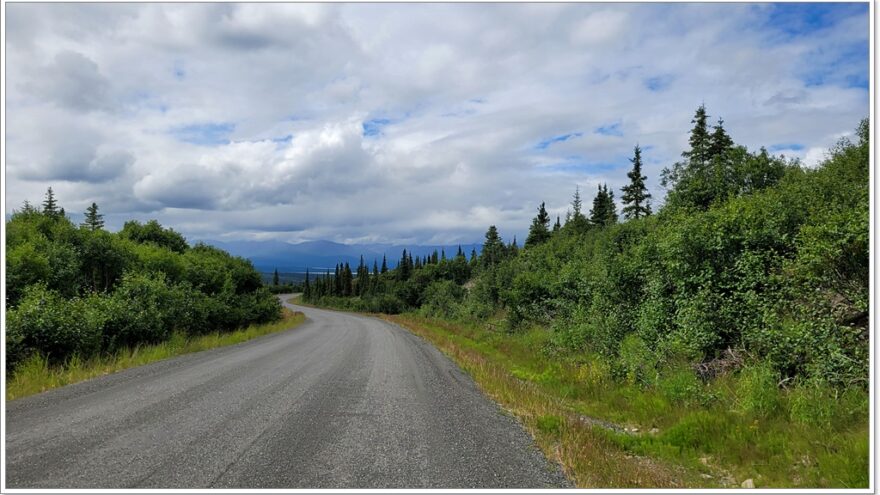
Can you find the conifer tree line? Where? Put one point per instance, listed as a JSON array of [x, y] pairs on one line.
[[747, 251]]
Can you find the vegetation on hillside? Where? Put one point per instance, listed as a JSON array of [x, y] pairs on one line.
[[743, 298], [751, 254], [74, 292]]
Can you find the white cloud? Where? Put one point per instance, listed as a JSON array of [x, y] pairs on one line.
[[458, 97]]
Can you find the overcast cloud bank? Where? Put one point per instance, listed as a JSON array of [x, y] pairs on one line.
[[402, 123]]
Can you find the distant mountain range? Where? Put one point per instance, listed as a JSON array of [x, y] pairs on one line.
[[318, 256]]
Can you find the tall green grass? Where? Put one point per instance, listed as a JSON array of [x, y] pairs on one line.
[[738, 426], [35, 374]]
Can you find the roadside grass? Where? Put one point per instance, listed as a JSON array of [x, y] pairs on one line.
[[589, 457], [35, 375], [674, 431]]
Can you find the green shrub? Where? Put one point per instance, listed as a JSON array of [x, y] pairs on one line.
[[45, 323], [680, 385], [442, 299], [637, 362]]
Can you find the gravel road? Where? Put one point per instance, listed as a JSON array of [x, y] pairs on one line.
[[343, 401]]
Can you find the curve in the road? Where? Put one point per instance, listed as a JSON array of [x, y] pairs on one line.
[[342, 401]]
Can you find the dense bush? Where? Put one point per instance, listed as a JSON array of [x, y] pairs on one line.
[[77, 291], [751, 252]]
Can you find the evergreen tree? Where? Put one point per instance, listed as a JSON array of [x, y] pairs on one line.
[[442, 254], [578, 222], [403, 268], [604, 211], [493, 247], [337, 281], [384, 264], [576, 203], [460, 253], [275, 278], [50, 205], [93, 219], [700, 177], [719, 142], [28, 208], [556, 226], [635, 194], [539, 231], [307, 289], [346, 280], [700, 141]]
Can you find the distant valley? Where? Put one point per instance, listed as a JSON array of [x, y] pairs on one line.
[[317, 256]]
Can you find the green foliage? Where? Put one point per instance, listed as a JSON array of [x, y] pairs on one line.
[[637, 362], [635, 194], [45, 323], [539, 232], [751, 256], [549, 424], [680, 385], [714, 169], [93, 219], [154, 233], [442, 298], [604, 212], [756, 391], [80, 291]]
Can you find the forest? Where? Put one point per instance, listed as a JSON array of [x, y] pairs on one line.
[[77, 291], [750, 255]]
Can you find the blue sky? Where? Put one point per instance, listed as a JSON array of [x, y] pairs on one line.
[[408, 122]]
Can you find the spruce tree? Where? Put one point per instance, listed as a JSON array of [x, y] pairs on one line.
[[275, 278], [403, 268], [384, 264], [635, 195], [93, 219], [557, 226], [700, 140], [578, 222], [513, 248], [719, 142], [346, 280], [539, 231], [698, 179], [50, 205], [604, 211], [307, 289], [493, 247]]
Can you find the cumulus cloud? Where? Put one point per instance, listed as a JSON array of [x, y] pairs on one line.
[[408, 123], [72, 80]]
